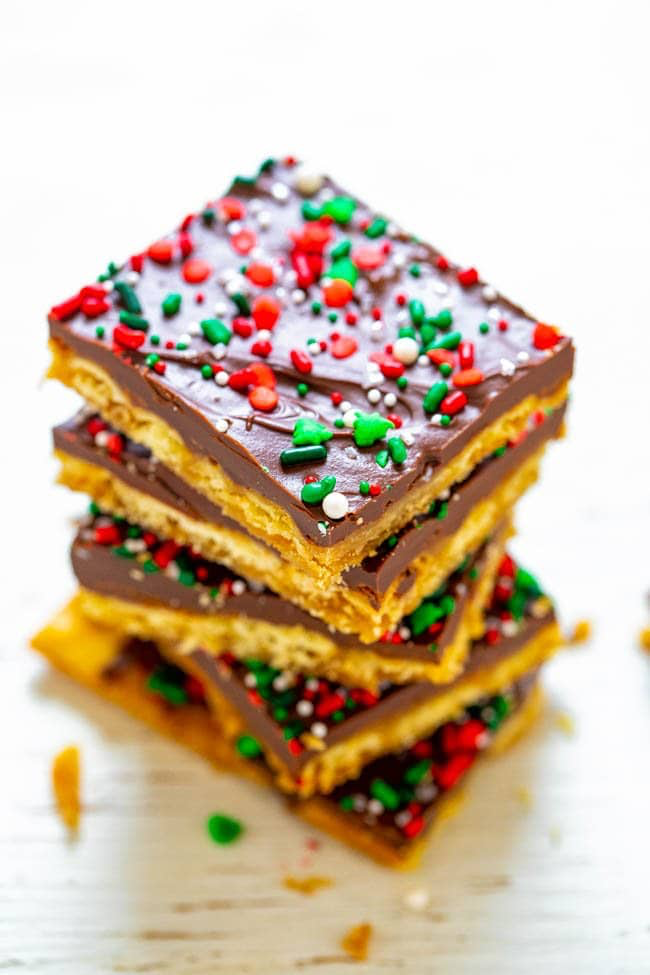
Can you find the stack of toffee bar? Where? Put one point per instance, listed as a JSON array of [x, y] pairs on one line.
[[303, 437]]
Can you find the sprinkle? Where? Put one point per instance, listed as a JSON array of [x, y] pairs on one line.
[[196, 270], [224, 829], [467, 277], [434, 397], [249, 747], [316, 491], [335, 505], [376, 228], [215, 331], [308, 431], [369, 428], [171, 304]]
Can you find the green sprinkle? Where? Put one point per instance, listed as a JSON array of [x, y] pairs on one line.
[[154, 339], [241, 302], [333, 316], [308, 431], [186, 578], [392, 541], [207, 216], [151, 360], [302, 389], [128, 298], [181, 346], [314, 492], [150, 567], [171, 304], [388, 796], [302, 455], [94, 508], [134, 321], [123, 552], [339, 423], [397, 450], [206, 371], [342, 249], [434, 397], [416, 311], [499, 452], [100, 331], [316, 307], [215, 331], [445, 420], [310, 211], [427, 333], [415, 773], [424, 616], [160, 684], [364, 488], [340, 208], [443, 319], [406, 332], [445, 369], [347, 803], [369, 428], [224, 829], [382, 458], [414, 270], [344, 268], [376, 228], [402, 382], [449, 341], [442, 511], [484, 328]]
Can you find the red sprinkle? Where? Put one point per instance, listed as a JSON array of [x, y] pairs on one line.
[[242, 327], [244, 241], [263, 398], [467, 377], [442, 263], [260, 274], [351, 318], [229, 209], [185, 243], [545, 336], [93, 307], [453, 403], [107, 534], [502, 325], [128, 338], [394, 419], [266, 312], [375, 490], [466, 355], [413, 827], [262, 374], [241, 379], [368, 257], [343, 347], [301, 360], [262, 348], [448, 774], [467, 276], [66, 309], [440, 356], [337, 293], [195, 270], [161, 252]]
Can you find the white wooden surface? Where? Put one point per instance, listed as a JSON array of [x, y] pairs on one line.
[[517, 139]]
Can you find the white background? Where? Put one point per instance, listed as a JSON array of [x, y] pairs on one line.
[[515, 136]]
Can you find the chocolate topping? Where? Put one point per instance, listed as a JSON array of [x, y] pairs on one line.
[[150, 342], [135, 465]]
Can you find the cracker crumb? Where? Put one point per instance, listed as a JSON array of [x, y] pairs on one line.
[[355, 942], [524, 795], [417, 899], [307, 885], [565, 722], [580, 633], [644, 639], [65, 785]]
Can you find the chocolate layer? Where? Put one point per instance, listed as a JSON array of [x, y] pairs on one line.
[[135, 465], [115, 558], [395, 797], [163, 374]]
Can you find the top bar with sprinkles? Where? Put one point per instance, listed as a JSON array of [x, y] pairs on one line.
[[318, 374]]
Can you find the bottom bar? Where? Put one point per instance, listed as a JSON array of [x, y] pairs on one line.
[[386, 812]]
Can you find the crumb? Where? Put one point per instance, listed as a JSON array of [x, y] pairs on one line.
[[565, 722], [581, 632], [417, 899], [524, 795], [355, 941], [307, 885], [65, 784], [644, 638]]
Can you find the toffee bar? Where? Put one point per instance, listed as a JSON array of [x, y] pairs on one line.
[[312, 370]]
